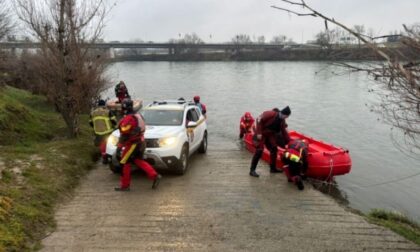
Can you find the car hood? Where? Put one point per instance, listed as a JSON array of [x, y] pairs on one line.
[[157, 131], [161, 131]]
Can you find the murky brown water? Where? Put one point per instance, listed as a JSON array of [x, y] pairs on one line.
[[325, 106]]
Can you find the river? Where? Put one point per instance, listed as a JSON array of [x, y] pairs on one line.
[[324, 105]]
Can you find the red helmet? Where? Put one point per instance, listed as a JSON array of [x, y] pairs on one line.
[[247, 115], [196, 98], [127, 124]]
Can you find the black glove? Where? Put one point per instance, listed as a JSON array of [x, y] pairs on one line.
[[119, 153], [255, 140]]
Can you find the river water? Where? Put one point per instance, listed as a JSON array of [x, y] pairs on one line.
[[324, 105]]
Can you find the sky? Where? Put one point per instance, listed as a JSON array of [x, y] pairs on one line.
[[217, 21]]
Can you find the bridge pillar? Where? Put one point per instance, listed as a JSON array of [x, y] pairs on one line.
[[111, 53], [13, 52], [170, 50]]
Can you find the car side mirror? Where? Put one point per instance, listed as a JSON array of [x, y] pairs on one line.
[[191, 124]]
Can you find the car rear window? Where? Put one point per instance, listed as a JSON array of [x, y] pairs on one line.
[[157, 117]]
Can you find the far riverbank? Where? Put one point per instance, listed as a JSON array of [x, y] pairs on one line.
[[291, 54]]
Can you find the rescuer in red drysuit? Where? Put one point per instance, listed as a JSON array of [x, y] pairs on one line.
[[295, 158], [271, 131], [247, 121], [132, 128], [202, 107], [121, 91]]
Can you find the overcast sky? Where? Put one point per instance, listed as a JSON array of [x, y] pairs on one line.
[[220, 20]]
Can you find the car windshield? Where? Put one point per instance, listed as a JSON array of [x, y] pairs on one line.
[[163, 117]]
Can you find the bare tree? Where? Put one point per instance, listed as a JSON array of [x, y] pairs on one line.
[[397, 76], [261, 40], [72, 73], [6, 26], [323, 38], [279, 40], [359, 29], [242, 39], [192, 38], [188, 39]]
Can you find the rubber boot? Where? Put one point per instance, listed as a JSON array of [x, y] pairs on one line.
[[287, 173], [105, 160], [253, 173], [273, 169], [298, 182], [156, 181]]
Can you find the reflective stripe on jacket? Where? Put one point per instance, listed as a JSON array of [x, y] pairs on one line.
[[293, 155], [294, 151], [101, 121]]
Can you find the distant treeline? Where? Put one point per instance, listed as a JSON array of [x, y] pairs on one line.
[[268, 55]]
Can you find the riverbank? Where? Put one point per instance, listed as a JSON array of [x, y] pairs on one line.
[[395, 221], [295, 54], [39, 167]]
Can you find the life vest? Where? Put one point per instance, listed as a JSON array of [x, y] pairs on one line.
[[247, 122], [140, 122], [102, 124], [275, 125], [294, 151], [202, 107]]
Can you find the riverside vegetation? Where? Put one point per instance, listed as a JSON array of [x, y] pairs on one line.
[[39, 167], [397, 222]]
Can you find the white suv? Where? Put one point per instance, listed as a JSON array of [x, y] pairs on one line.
[[175, 129]]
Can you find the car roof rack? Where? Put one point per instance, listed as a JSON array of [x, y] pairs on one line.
[[180, 101]]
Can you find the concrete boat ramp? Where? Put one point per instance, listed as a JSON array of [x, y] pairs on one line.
[[216, 206]]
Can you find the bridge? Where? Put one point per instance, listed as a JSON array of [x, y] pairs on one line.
[[173, 48], [115, 45]]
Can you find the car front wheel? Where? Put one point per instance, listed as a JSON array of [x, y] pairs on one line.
[[115, 169], [203, 145], [114, 164], [183, 161]]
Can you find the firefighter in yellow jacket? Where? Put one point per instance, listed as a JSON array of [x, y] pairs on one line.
[[103, 122]]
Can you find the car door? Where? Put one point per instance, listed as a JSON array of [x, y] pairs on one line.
[[201, 127], [193, 134]]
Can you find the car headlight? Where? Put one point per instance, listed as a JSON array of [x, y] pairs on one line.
[[167, 141], [113, 140]]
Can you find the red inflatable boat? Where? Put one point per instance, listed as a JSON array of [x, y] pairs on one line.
[[324, 160]]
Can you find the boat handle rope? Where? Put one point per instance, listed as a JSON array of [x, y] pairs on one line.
[[332, 183]]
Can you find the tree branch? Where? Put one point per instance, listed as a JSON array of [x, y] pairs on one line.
[[293, 12]]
